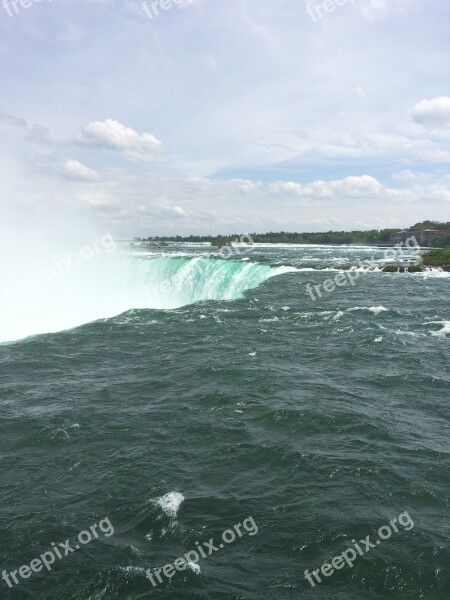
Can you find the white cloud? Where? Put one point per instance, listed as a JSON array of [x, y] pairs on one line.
[[175, 211], [376, 9], [433, 113], [245, 185], [112, 135], [286, 186], [263, 134], [351, 187], [364, 186], [79, 172]]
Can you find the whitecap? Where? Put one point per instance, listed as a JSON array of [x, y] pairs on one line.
[[170, 503], [136, 551], [195, 568], [410, 333], [429, 273], [376, 310], [445, 329], [131, 569]]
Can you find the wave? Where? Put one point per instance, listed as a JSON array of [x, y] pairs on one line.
[[376, 310], [442, 332], [111, 285], [170, 503]]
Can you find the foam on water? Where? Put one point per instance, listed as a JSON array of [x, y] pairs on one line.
[[432, 273], [170, 503], [445, 328], [376, 310], [194, 567]]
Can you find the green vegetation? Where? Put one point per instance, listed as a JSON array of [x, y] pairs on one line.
[[329, 237], [441, 241], [221, 241], [373, 237], [179, 238], [437, 258], [445, 227]]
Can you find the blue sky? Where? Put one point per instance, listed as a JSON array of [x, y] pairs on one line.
[[225, 115]]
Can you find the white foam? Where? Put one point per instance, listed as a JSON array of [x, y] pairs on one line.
[[131, 569], [317, 270], [376, 310], [136, 551], [195, 568], [445, 329], [170, 503], [428, 273], [281, 271], [410, 333]]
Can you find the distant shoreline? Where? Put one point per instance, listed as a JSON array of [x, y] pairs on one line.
[[428, 234], [166, 242]]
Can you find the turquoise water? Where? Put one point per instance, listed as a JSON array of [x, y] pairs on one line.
[[223, 392]]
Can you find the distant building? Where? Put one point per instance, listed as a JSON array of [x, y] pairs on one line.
[[399, 236], [424, 237]]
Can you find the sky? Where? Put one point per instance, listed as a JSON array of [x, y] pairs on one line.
[[223, 116]]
